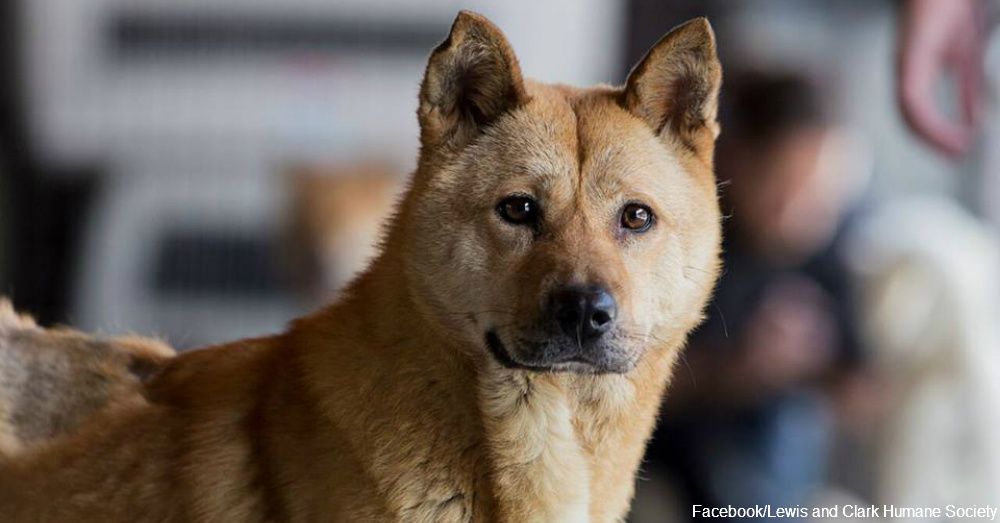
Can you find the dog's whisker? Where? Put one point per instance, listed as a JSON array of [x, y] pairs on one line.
[[690, 371], [700, 269]]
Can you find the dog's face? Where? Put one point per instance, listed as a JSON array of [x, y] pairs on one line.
[[565, 229]]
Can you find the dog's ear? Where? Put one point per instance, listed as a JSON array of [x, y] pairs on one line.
[[472, 78], [675, 87]]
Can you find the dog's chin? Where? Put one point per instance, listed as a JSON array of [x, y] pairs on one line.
[[573, 363]]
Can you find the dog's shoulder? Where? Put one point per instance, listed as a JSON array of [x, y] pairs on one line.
[[217, 375]]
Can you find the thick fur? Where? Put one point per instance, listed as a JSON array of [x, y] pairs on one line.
[[388, 406], [52, 380]]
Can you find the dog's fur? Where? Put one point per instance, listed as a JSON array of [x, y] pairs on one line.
[[390, 405], [52, 380]]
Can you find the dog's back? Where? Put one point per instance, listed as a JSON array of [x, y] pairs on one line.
[[52, 380]]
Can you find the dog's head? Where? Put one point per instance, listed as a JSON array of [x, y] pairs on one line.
[[558, 228]]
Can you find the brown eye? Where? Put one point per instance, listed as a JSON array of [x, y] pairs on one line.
[[518, 210], [637, 218]]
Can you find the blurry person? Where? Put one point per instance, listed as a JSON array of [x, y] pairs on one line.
[[939, 37], [748, 422]]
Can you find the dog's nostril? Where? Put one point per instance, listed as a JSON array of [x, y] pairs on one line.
[[600, 318]]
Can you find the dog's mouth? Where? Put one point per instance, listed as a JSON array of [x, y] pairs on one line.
[[499, 352], [566, 362]]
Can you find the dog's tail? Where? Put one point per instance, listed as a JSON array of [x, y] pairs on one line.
[[11, 320], [147, 355]]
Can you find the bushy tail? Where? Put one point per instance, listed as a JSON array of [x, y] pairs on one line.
[[10, 319]]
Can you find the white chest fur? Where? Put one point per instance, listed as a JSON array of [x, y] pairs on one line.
[[540, 472]]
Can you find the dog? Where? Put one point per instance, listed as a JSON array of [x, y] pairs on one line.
[[501, 360], [53, 380], [334, 223]]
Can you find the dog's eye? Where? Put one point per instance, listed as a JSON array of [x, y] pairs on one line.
[[637, 217], [519, 210]]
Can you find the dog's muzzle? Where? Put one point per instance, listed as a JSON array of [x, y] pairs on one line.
[[559, 355]]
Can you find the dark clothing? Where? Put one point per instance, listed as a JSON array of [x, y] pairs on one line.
[[771, 451], [745, 281]]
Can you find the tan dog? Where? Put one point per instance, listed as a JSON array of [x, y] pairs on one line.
[[502, 360], [336, 215], [52, 380]]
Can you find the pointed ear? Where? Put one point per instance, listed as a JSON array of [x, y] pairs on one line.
[[675, 87], [472, 78]]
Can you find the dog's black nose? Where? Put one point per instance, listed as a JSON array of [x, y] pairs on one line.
[[584, 312]]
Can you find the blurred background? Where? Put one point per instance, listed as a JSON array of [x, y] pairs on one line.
[[203, 170]]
